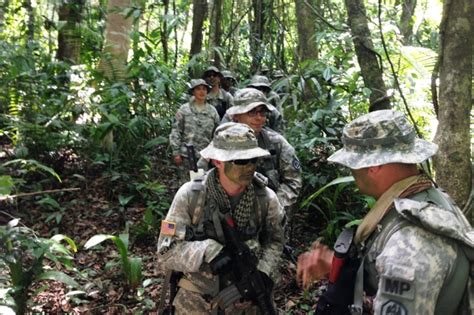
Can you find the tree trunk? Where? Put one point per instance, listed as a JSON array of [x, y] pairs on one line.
[[69, 36], [199, 16], [453, 161], [216, 30], [113, 62], [305, 20], [406, 21], [164, 31], [256, 37], [366, 56], [30, 25]]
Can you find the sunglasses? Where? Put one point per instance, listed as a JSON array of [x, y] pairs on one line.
[[244, 162], [261, 113]]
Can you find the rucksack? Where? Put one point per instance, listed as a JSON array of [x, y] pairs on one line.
[[462, 233]]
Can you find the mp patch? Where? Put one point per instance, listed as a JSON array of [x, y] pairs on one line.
[[402, 288], [393, 308]]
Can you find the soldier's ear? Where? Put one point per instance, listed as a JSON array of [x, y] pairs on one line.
[[218, 164], [374, 171]]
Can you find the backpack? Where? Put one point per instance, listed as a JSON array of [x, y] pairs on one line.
[[461, 231]]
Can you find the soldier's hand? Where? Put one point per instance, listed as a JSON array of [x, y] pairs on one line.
[[222, 263], [314, 265], [178, 160]]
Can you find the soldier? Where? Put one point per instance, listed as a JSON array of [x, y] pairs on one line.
[[282, 167], [196, 211], [229, 82], [412, 241], [217, 97], [194, 124], [261, 83]]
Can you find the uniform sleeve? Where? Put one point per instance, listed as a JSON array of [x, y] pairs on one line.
[[274, 240], [173, 251], [411, 270], [290, 170], [177, 130]]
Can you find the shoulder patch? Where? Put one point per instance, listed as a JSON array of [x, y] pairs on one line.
[[296, 163], [178, 116], [402, 288], [393, 308]]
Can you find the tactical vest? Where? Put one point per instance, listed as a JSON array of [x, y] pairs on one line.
[[270, 165], [455, 288], [204, 215]]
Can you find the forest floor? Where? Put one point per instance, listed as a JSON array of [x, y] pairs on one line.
[[103, 288]]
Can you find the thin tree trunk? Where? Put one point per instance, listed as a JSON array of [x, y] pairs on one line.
[[306, 26], [453, 160], [370, 68], [257, 28], [30, 31], [113, 62], [199, 16], [216, 30], [69, 36], [406, 20], [164, 31]]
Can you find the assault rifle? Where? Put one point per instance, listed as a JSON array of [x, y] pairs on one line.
[[192, 162], [251, 283]]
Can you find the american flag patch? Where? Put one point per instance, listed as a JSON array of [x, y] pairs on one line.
[[168, 228]]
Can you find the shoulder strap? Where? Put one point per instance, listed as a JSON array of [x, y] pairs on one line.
[[197, 202]]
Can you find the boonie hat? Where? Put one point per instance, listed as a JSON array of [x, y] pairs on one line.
[[259, 81], [197, 82], [233, 141], [247, 99], [212, 69], [381, 137], [227, 74]]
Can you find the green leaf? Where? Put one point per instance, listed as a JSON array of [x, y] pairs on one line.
[[58, 276], [60, 237], [6, 185], [97, 239], [336, 181], [134, 276], [33, 165]]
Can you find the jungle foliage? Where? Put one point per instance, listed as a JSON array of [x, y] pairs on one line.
[[64, 124]]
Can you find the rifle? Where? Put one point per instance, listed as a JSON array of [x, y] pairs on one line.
[[192, 162], [248, 279]]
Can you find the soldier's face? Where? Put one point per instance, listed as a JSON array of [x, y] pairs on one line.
[[200, 93], [255, 119], [212, 78], [241, 175]]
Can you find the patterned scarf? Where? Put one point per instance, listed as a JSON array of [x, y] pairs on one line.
[[402, 189], [241, 213]]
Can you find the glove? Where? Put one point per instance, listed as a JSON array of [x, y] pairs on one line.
[[258, 278], [222, 263]]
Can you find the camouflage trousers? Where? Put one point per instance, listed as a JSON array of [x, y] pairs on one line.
[[187, 302]]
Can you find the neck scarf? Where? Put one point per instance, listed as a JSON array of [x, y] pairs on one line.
[[404, 188], [241, 213]]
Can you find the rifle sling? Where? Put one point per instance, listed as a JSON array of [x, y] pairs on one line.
[[226, 297], [164, 291]]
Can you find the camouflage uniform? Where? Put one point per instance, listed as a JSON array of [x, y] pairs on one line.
[[227, 75], [264, 235], [192, 126], [261, 82], [282, 167], [412, 261], [223, 99]]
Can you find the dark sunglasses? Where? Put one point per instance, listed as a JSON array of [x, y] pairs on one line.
[[244, 162]]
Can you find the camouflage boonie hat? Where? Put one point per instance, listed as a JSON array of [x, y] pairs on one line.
[[197, 82], [227, 74], [278, 74], [233, 141], [381, 137], [246, 100], [211, 69], [259, 81]]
